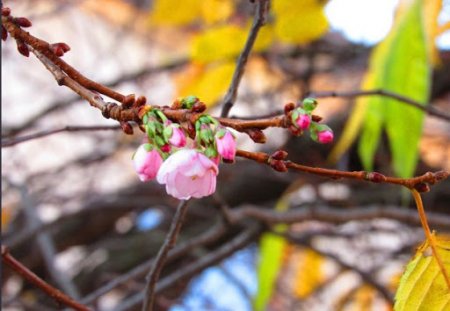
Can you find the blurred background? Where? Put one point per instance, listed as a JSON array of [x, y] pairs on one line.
[[75, 213]]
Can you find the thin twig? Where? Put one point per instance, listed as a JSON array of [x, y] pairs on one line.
[[45, 243], [262, 7], [169, 243], [380, 92], [204, 239], [335, 215], [8, 142], [56, 294], [375, 177], [192, 269]]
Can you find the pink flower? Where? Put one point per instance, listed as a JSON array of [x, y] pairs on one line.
[[325, 136], [147, 163], [188, 173], [226, 144], [301, 119], [178, 138]]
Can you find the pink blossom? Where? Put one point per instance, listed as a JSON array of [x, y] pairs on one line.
[[178, 138], [303, 121], [226, 145], [325, 136], [147, 163], [188, 173]]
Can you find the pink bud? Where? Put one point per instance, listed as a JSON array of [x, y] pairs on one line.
[[325, 136], [147, 163], [166, 148], [226, 145], [303, 121], [188, 173], [178, 138]]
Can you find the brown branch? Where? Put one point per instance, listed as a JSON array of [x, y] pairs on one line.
[[410, 183], [56, 294], [44, 48], [380, 92], [192, 269], [8, 142], [334, 215], [206, 238], [169, 243], [262, 7]]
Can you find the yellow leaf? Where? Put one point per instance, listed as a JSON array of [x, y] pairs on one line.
[[309, 274], [432, 8], [174, 12], [218, 43], [209, 83], [422, 286], [299, 22], [215, 11]]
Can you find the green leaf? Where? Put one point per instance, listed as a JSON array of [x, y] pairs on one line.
[[399, 64], [271, 254], [271, 250]]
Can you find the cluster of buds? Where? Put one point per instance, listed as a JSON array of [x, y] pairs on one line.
[[188, 168], [301, 119]]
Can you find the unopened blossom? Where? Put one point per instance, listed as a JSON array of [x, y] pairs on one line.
[[325, 136], [188, 173], [226, 144], [301, 119], [147, 162], [178, 138]]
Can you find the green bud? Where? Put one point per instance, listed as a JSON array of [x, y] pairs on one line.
[[309, 104], [189, 101], [148, 147], [168, 131]]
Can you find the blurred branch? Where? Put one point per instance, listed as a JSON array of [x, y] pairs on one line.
[[244, 238], [384, 93], [205, 238], [45, 243], [57, 295], [262, 8], [367, 277], [171, 238], [8, 142], [335, 215]]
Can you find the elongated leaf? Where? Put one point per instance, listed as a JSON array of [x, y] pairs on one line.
[[422, 286], [399, 64]]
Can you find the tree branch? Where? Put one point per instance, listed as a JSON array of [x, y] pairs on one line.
[[9, 142], [57, 295], [169, 243], [262, 6], [380, 92]]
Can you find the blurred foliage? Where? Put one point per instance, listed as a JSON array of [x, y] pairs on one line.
[[401, 64]]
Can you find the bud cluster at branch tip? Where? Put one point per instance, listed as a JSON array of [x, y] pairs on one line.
[[186, 168]]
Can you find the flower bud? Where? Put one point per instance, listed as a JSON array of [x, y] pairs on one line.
[[279, 155], [325, 137], [6, 11], [127, 128], [23, 48], [226, 144], [422, 187], [147, 162], [309, 104], [22, 22], [128, 100], [140, 101], [288, 108], [278, 165], [256, 135], [177, 138], [189, 101], [301, 119], [375, 177], [199, 107]]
